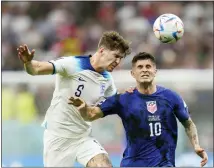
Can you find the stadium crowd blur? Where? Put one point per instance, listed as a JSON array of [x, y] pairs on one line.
[[57, 29], [74, 28]]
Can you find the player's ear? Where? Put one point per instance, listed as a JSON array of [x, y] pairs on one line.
[[101, 49], [132, 73]]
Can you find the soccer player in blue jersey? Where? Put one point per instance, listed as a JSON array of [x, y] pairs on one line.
[[67, 137], [149, 118]]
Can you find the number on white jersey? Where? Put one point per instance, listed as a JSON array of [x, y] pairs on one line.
[[79, 90]]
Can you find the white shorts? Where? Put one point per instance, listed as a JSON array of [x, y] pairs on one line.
[[63, 152]]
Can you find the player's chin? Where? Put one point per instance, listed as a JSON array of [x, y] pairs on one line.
[[145, 81], [110, 69]]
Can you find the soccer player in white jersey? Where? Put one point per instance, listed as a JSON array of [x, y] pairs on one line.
[[67, 137]]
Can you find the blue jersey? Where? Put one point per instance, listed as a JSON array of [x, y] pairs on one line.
[[150, 125]]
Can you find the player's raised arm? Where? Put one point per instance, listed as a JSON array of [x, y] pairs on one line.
[[192, 134], [31, 66], [88, 113]]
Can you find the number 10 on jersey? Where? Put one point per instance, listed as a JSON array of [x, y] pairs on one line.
[[155, 129]]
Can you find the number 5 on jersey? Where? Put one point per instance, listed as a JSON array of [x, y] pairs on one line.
[[79, 90]]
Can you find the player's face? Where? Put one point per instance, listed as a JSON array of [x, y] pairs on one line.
[[144, 71], [111, 59]]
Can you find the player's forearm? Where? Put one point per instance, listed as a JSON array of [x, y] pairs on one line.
[[91, 113], [31, 67], [191, 132], [38, 68]]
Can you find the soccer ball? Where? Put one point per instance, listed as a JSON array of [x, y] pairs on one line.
[[168, 28]]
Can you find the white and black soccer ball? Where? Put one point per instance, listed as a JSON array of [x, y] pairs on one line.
[[168, 28]]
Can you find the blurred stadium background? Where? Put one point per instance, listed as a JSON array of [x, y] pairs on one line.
[[57, 29]]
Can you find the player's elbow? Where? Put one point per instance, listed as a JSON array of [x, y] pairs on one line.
[[188, 123]]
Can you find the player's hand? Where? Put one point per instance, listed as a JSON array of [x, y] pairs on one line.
[[201, 152], [24, 53], [130, 89], [77, 102]]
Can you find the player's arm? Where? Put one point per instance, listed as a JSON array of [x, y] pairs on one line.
[[88, 113], [181, 112], [109, 106], [191, 132], [34, 67], [31, 66]]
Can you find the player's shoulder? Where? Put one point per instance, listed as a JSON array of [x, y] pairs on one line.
[[75, 57], [125, 98], [127, 95], [82, 62], [82, 57], [68, 59], [122, 98], [168, 92]]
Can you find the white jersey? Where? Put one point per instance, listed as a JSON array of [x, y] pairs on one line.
[[75, 77]]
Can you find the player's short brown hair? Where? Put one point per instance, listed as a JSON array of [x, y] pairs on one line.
[[114, 41], [143, 56]]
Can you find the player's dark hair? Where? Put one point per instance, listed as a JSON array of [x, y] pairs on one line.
[[143, 56], [114, 41]]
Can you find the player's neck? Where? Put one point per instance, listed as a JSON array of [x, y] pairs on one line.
[[147, 88], [95, 64]]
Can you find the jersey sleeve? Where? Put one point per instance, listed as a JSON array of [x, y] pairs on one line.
[[111, 105], [181, 109], [111, 90], [65, 65]]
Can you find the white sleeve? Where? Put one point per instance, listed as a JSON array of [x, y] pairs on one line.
[[65, 66], [111, 90]]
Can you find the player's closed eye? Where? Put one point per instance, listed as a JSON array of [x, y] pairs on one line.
[[118, 56]]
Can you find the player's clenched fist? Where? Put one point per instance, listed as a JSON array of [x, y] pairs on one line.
[[24, 53]]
